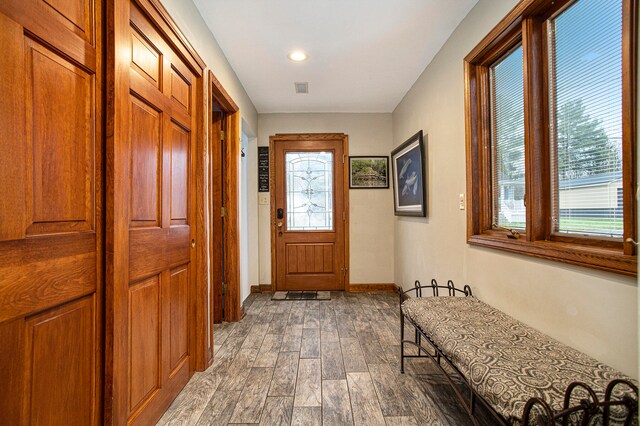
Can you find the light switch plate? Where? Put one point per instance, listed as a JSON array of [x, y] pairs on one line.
[[461, 202], [263, 199]]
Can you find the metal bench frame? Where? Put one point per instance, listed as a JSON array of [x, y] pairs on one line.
[[536, 411]]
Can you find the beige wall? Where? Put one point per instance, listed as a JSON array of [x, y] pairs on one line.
[[592, 311], [371, 210], [188, 18], [252, 214]]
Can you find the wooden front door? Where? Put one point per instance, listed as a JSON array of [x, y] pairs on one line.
[[51, 142], [309, 214], [156, 106]]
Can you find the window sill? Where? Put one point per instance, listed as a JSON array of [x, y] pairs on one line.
[[606, 259]]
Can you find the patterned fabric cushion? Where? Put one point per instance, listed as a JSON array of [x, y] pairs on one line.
[[506, 361]]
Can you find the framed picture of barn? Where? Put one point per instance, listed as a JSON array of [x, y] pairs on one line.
[[368, 172]]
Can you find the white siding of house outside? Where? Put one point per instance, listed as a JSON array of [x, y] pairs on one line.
[[598, 196]]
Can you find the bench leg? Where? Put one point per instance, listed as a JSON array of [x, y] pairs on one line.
[[416, 340], [401, 343], [473, 402]]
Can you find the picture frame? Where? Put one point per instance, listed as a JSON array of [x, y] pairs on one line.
[[368, 172], [409, 183]]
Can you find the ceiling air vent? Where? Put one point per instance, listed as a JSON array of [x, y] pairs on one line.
[[302, 87]]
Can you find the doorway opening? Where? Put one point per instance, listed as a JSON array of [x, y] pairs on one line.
[[309, 212], [222, 180]]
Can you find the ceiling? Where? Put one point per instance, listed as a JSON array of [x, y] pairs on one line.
[[364, 55]]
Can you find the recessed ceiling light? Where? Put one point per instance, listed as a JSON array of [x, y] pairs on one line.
[[297, 56]]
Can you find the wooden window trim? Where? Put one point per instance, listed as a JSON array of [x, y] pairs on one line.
[[527, 23]]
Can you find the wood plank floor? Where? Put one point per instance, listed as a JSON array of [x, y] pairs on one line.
[[333, 362]]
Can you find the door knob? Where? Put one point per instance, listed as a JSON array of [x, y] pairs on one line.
[[193, 243], [279, 225]]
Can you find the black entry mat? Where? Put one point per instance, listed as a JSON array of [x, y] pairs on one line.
[[301, 295]]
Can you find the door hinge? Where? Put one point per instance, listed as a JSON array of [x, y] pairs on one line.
[[224, 287], [344, 272], [223, 211], [344, 215], [221, 135], [343, 158]]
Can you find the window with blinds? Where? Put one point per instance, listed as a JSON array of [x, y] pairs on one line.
[[585, 76], [507, 141], [572, 85]]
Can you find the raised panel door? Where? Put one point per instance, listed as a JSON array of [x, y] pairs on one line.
[[161, 217], [309, 231], [51, 212]]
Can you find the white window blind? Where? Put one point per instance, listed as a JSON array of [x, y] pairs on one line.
[[585, 75], [507, 141]]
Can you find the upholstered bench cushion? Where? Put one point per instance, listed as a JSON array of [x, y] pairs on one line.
[[506, 361]]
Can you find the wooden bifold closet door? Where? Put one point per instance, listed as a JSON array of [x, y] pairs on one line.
[[152, 230], [51, 142]]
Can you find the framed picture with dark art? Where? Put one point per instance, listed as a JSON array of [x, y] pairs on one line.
[[409, 186], [368, 172]]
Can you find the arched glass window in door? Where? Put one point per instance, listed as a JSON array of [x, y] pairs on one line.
[[309, 191]]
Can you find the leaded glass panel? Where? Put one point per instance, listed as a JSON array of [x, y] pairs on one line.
[[309, 191]]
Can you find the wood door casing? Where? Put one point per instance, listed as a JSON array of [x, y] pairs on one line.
[[153, 302], [309, 260], [224, 249], [51, 137]]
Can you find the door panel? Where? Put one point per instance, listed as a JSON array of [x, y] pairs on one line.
[[179, 178], [52, 364], [178, 316], [50, 212], [310, 258], [145, 58], [75, 15], [144, 340], [145, 164], [310, 235], [180, 90], [60, 106]]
